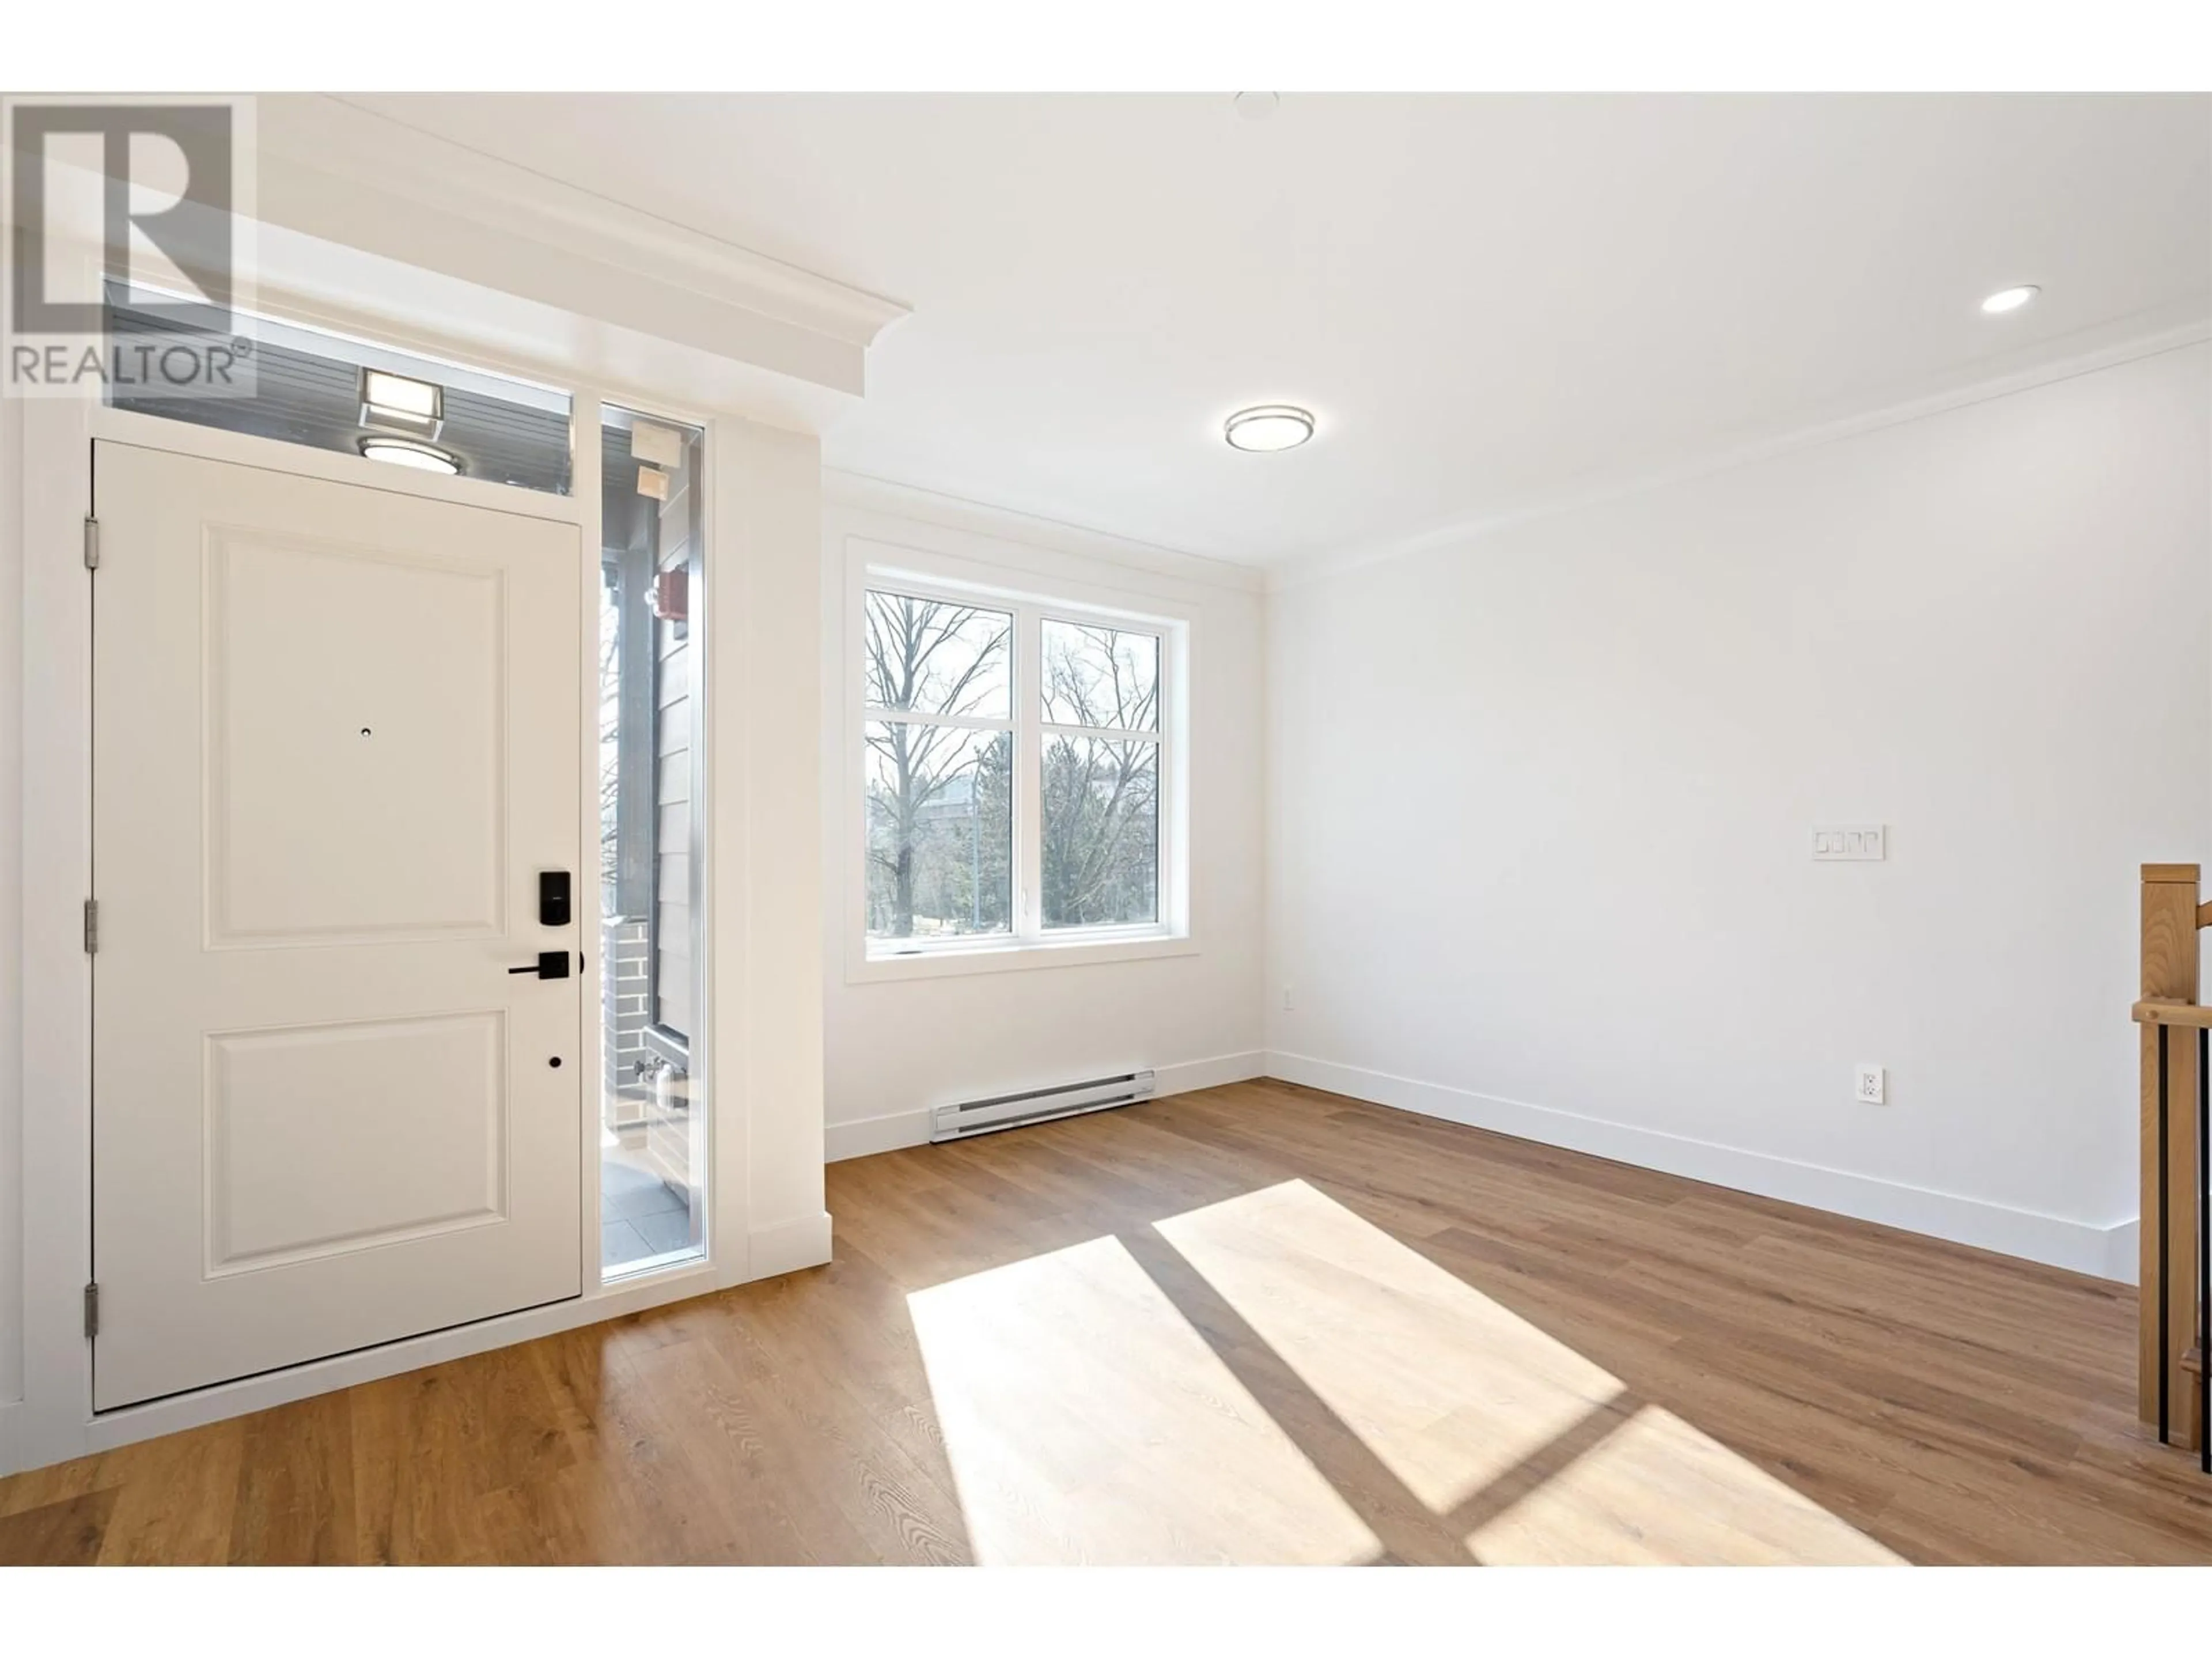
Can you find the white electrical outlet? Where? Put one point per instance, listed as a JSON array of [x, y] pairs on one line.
[[1287, 1003], [1872, 1085], [1837, 841]]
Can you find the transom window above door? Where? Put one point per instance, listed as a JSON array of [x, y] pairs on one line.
[[1017, 784], [324, 391]]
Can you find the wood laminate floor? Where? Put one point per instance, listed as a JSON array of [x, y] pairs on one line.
[[1259, 1323]]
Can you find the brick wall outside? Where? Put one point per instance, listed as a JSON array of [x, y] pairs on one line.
[[622, 1012]]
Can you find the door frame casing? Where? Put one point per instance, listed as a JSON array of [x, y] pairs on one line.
[[53, 1420]]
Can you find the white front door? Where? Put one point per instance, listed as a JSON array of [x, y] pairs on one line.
[[336, 740]]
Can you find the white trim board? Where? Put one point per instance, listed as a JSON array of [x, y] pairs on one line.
[[361, 142], [333, 167], [2127, 341], [859, 493], [2122, 1241], [784, 1246], [2056, 1241], [1981, 383], [892, 1131]]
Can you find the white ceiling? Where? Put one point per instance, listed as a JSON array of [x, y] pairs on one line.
[[1488, 300]]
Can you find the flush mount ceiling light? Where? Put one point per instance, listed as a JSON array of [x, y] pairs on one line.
[[2009, 299], [1269, 427], [402, 403], [405, 452]]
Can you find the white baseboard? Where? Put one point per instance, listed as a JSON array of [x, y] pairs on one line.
[[2084, 1247], [865, 1137], [1208, 1073], [784, 1246], [2122, 1242]]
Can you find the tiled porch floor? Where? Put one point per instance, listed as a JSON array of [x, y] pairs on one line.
[[639, 1215]]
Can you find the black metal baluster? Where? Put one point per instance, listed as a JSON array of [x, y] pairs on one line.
[[2165, 1344]]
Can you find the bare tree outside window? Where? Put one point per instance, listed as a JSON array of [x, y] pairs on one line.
[[1101, 779], [939, 776], [1011, 770]]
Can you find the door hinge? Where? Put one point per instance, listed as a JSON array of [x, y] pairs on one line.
[[91, 543], [92, 927], [92, 1309]]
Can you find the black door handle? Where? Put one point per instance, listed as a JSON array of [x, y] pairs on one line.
[[551, 964]]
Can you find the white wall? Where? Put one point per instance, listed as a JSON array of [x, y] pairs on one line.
[[896, 1049], [1540, 809], [11, 932], [767, 835]]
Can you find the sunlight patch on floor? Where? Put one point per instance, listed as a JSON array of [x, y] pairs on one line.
[[1455, 1394], [1447, 1387], [1094, 1407], [1085, 1420], [1657, 1491]]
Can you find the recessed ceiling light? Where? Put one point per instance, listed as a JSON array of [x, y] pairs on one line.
[[2010, 299], [405, 452], [1269, 427]]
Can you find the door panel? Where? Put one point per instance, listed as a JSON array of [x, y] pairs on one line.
[[325, 1114], [403, 821], [325, 1138]]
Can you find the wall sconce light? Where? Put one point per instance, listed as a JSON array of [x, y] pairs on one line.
[[401, 404]]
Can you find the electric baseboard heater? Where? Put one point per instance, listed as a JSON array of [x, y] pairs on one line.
[[982, 1117]]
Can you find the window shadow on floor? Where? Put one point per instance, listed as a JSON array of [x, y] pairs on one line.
[[1776, 1384]]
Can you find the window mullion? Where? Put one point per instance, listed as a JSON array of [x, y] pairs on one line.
[[873, 716], [1028, 773], [1103, 733]]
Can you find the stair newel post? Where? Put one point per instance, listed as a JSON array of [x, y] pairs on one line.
[[2168, 1240]]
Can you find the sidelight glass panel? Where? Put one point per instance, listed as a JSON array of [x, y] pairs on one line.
[[653, 1128]]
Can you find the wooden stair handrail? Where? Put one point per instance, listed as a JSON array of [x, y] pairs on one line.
[[2161, 1010]]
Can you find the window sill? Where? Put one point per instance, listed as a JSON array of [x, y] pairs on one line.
[[867, 970]]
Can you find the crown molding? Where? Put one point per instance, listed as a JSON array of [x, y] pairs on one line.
[[1606, 487], [859, 493], [335, 169]]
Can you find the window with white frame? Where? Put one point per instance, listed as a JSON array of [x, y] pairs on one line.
[[1014, 770]]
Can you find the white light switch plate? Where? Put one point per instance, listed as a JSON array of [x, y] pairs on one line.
[[1841, 841]]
